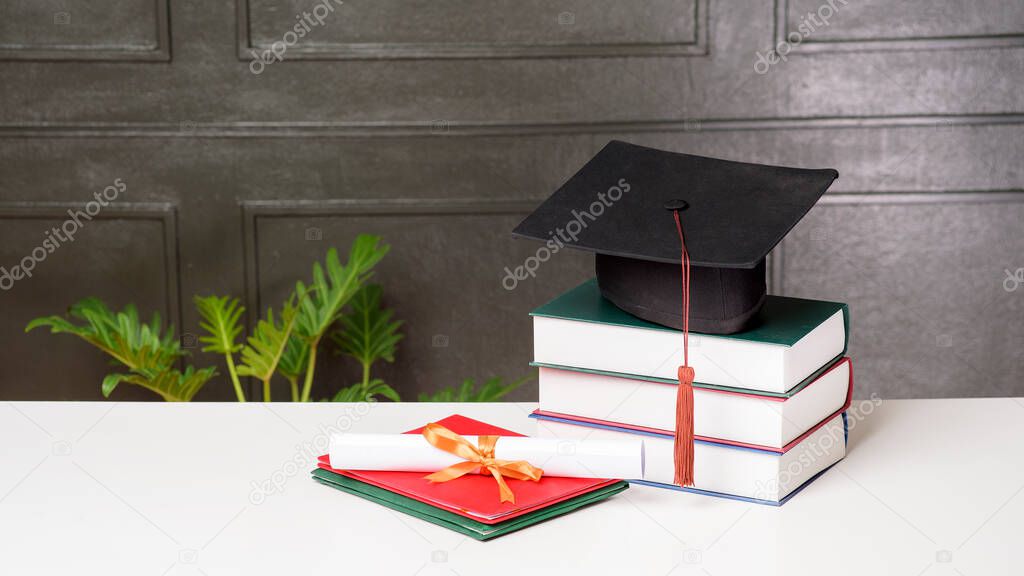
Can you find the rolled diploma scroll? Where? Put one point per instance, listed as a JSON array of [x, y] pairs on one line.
[[619, 458]]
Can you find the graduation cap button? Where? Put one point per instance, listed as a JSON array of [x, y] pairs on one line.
[[676, 205]]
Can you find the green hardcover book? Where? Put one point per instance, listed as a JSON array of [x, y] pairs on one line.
[[456, 522], [790, 341]]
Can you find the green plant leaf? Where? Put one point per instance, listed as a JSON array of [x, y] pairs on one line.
[[145, 350], [293, 360], [367, 333], [221, 317], [110, 381], [170, 383], [322, 302], [265, 348], [120, 335], [367, 393], [492, 390], [324, 299], [292, 363]]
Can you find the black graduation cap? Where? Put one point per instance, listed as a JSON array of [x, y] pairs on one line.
[[620, 206]]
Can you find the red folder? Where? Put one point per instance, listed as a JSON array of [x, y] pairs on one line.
[[475, 495]]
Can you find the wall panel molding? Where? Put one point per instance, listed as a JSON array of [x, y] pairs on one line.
[[163, 213], [444, 129], [776, 260], [158, 51], [253, 211], [812, 46], [696, 46]]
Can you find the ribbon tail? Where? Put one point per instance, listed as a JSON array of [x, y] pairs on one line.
[[683, 445], [520, 470], [503, 490]]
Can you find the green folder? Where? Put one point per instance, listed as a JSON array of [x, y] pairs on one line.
[[461, 524]]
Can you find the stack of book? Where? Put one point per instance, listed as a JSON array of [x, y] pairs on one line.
[[769, 402], [470, 504]]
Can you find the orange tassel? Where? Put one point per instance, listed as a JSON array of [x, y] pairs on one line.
[[684, 428]]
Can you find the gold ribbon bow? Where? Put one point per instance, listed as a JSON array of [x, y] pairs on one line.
[[477, 458]]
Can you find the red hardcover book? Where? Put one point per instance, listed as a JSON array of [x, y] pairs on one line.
[[475, 496]]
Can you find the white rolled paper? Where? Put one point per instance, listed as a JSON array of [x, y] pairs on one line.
[[557, 457]]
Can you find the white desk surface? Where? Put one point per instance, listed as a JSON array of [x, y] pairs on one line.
[[930, 487]]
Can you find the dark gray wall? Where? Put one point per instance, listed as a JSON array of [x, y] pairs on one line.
[[439, 124]]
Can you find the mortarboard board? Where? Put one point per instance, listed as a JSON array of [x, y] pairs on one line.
[[620, 206]]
